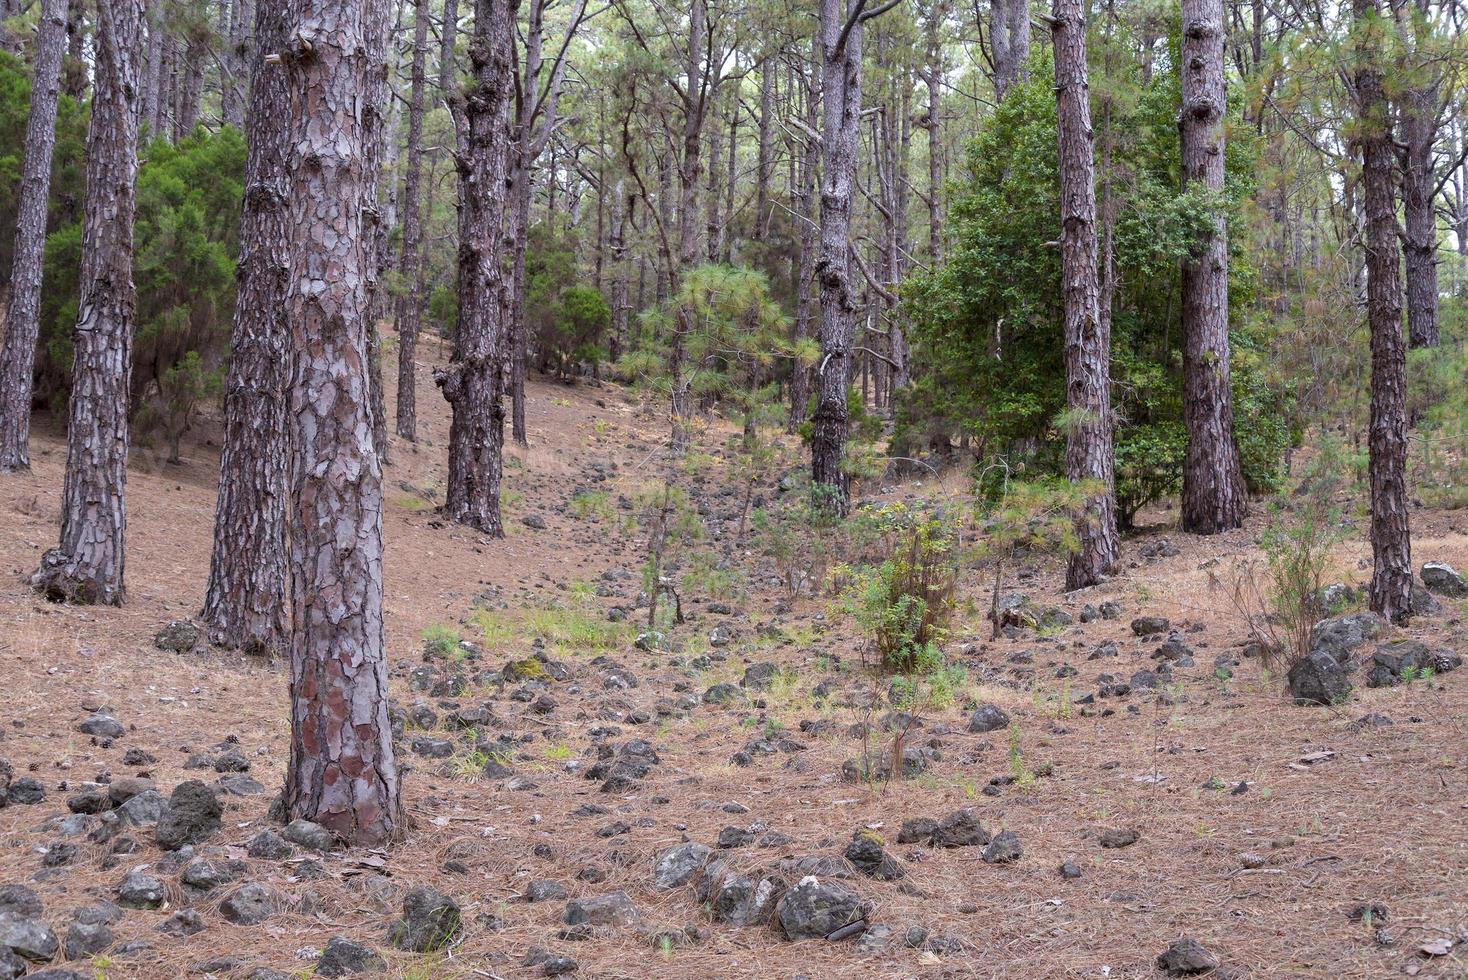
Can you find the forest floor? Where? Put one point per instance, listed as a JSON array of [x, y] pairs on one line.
[[1261, 825]]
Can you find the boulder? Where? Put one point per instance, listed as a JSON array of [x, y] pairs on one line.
[[678, 864], [813, 909], [1316, 679], [431, 921], [192, 816]]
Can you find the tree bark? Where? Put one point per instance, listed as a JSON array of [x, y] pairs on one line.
[[379, 205], [933, 122], [1009, 33], [22, 325], [841, 38], [410, 303], [764, 161], [802, 376], [1088, 453], [88, 564], [473, 384], [1214, 495], [1419, 108], [245, 601], [74, 65], [447, 40], [1391, 545], [342, 772]]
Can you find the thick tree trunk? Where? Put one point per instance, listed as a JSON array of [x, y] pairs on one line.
[[342, 772], [473, 384], [841, 38], [22, 325], [1391, 546], [410, 303], [245, 601], [1214, 496], [1088, 453], [88, 564]]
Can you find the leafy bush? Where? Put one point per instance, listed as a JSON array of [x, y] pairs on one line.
[[905, 602]]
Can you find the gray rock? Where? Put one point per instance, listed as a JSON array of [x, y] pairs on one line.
[[1116, 837], [192, 816], [1150, 625], [1338, 636], [267, 845], [813, 910], [430, 921], [101, 726], [917, 830], [678, 864], [759, 677], [140, 891], [179, 636], [1003, 849], [558, 966], [544, 890], [143, 810], [25, 791], [26, 937], [85, 939], [612, 909], [183, 923], [867, 855], [1318, 678], [1186, 957], [987, 718], [723, 694], [207, 875], [743, 900], [18, 900], [11, 966], [1443, 579], [342, 958], [309, 835], [878, 766], [960, 828], [250, 904]]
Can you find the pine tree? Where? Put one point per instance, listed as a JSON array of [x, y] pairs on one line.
[[88, 564]]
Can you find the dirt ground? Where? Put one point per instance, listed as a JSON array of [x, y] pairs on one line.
[[1264, 870]]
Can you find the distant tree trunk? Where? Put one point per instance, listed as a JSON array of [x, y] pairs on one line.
[[196, 51], [22, 324], [88, 564], [714, 189], [621, 216], [74, 65], [1419, 106], [234, 61], [378, 201], [1088, 453], [153, 113], [9, 43], [473, 384], [447, 39], [1391, 545], [245, 601], [933, 76], [841, 37], [802, 376], [765, 160], [696, 99], [410, 303], [1009, 34], [1214, 496], [342, 773], [521, 190]]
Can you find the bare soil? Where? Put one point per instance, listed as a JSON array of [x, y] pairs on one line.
[[1264, 871]]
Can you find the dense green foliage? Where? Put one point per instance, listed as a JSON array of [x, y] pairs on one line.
[[988, 323]]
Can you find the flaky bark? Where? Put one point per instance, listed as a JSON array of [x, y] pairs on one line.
[[342, 773], [88, 564], [379, 203], [410, 303], [1214, 495], [22, 325], [1088, 453], [1391, 545], [245, 601], [473, 383], [841, 38]]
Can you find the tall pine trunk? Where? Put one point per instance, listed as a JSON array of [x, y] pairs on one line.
[[1214, 496], [88, 564], [22, 325], [1088, 452], [342, 772], [802, 375], [245, 601], [473, 383], [1391, 545], [841, 37], [410, 303], [1419, 107]]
